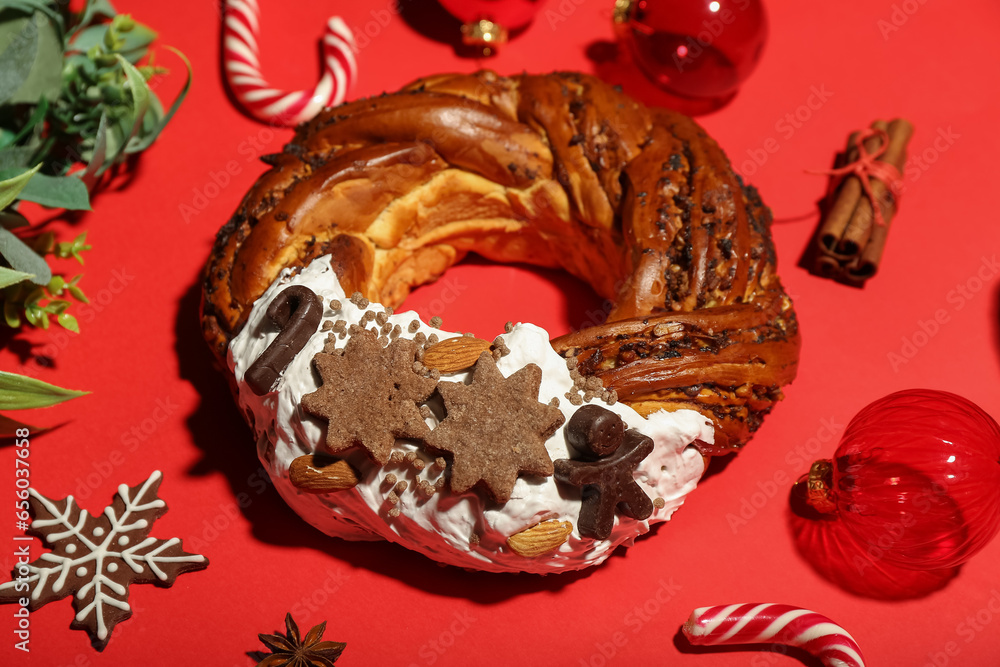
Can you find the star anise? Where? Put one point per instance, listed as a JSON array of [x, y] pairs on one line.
[[292, 650]]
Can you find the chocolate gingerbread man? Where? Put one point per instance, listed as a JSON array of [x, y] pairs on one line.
[[610, 454]]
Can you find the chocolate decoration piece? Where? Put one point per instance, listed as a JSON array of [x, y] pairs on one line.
[[607, 482], [369, 395], [594, 430], [495, 428], [94, 558], [297, 311]]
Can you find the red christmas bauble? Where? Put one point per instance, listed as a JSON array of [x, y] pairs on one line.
[[915, 480], [694, 48]]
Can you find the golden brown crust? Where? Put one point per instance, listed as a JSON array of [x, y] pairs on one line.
[[555, 170]]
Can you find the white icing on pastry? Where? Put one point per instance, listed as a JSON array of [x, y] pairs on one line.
[[445, 526]]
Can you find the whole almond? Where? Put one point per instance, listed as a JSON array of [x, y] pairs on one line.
[[540, 538], [455, 354], [319, 474]]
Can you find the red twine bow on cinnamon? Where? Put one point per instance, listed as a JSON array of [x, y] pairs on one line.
[[859, 210], [868, 166]]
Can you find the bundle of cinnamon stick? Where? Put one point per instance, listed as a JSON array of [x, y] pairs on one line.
[[851, 239]]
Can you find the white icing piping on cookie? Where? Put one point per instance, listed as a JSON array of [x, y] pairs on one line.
[[467, 530]]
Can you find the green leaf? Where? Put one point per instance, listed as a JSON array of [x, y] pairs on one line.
[[24, 259], [19, 56], [56, 307], [94, 9], [139, 90], [37, 116], [95, 167], [151, 137], [34, 297], [68, 322], [18, 392], [45, 78], [75, 291], [14, 157], [47, 7], [11, 314], [134, 43], [67, 192], [11, 187], [73, 248], [10, 277], [32, 314], [9, 427], [87, 38]]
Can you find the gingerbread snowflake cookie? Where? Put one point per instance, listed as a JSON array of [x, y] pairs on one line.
[[95, 558], [383, 426]]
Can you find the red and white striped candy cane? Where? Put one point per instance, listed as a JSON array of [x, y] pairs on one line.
[[241, 27], [774, 623]]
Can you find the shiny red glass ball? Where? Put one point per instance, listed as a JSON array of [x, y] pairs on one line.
[[916, 479], [696, 48]]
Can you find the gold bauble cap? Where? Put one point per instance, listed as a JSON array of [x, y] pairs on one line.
[[485, 34]]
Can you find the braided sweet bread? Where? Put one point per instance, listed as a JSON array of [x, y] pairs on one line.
[[556, 170], [501, 456]]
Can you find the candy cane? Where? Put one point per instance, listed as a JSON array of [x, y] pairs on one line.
[[774, 623], [241, 27]]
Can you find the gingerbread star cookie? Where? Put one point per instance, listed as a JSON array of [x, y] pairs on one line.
[[495, 428], [369, 395], [95, 558]]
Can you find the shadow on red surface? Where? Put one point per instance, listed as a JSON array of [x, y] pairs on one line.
[[830, 549]]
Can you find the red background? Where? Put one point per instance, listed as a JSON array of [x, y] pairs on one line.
[[140, 350]]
